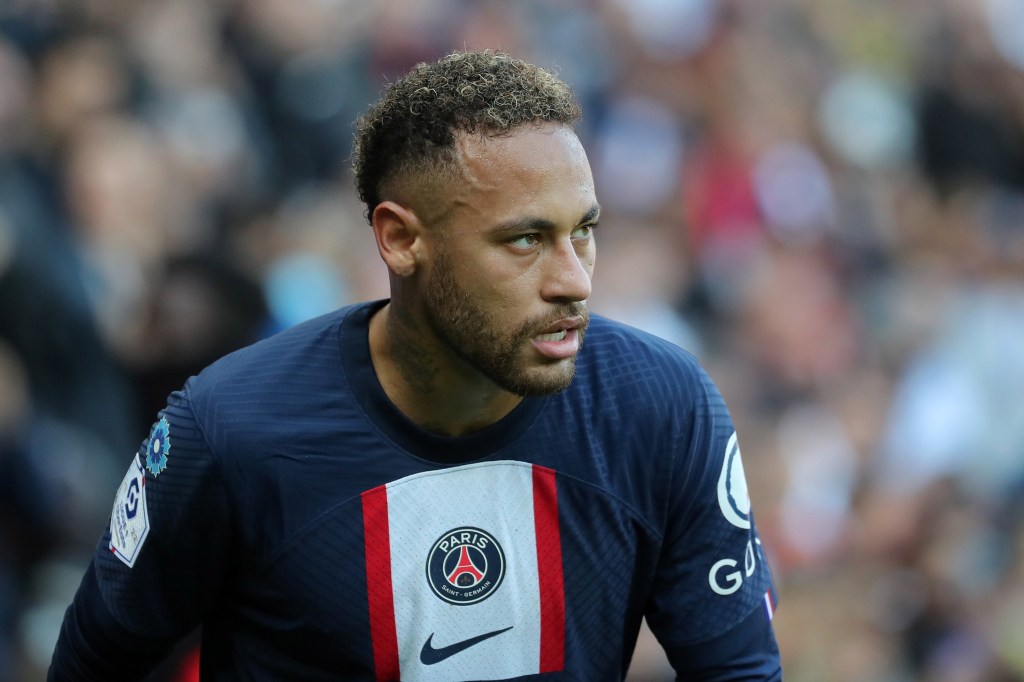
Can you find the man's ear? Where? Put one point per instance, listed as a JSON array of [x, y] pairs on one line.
[[398, 232]]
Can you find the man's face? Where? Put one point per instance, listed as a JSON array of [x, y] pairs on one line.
[[511, 266]]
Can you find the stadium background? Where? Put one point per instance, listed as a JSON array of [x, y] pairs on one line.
[[824, 201]]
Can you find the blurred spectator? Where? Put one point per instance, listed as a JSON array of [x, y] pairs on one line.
[[199, 309]]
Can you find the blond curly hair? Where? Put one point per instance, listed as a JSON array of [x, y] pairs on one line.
[[412, 128]]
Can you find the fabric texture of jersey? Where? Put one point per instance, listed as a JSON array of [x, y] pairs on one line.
[[318, 534]]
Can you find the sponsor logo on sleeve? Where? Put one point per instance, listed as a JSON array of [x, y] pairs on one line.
[[465, 566], [158, 447], [129, 520], [726, 577], [733, 496]]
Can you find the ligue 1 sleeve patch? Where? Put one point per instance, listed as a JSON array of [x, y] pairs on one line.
[[129, 520], [158, 447]]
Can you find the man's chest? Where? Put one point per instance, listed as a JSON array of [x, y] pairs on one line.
[[487, 571]]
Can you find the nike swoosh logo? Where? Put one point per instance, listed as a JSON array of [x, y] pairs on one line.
[[429, 655]]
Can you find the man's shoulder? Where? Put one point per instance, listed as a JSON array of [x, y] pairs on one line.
[[277, 352], [302, 355], [625, 365], [612, 344], [275, 390]]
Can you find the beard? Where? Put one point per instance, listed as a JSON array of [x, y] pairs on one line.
[[475, 335]]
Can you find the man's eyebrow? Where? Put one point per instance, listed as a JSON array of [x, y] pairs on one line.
[[542, 224], [525, 223]]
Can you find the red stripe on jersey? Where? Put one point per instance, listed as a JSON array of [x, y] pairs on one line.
[[377, 539], [549, 570], [769, 604]]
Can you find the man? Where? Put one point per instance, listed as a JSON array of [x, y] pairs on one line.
[[450, 484]]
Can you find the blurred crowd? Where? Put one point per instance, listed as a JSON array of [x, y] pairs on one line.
[[824, 201]]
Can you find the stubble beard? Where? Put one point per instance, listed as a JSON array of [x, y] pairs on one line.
[[474, 335]]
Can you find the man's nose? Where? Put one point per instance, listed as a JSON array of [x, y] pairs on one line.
[[568, 275]]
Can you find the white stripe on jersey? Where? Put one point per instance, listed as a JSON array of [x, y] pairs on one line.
[[496, 497]]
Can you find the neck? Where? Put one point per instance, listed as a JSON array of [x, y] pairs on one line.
[[431, 386]]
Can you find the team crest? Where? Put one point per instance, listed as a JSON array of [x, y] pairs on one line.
[[465, 566], [158, 447]]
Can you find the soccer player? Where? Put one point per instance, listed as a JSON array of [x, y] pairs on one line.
[[450, 484]]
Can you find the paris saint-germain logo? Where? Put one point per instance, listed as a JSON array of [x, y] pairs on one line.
[[465, 566]]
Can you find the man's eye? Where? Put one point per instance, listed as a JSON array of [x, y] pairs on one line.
[[524, 241], [584, 231]]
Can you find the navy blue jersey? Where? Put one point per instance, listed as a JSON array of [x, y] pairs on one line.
[[283, 503]]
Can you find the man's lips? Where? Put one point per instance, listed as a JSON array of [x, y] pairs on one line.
[[560, 339], [564, 324]]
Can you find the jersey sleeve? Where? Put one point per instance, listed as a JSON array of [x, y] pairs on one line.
[[161, 563], [713, 599]]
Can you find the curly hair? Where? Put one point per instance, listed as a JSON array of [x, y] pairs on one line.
[[413, 126]]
